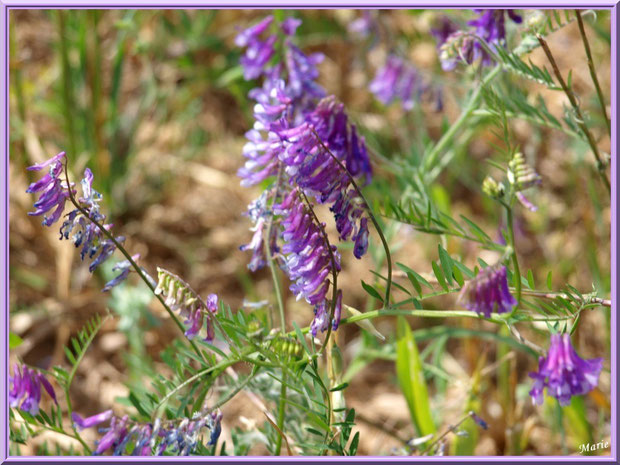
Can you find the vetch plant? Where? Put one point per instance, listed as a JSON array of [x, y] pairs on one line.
[[327, 186]]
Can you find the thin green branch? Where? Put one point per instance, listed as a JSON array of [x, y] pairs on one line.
[[599, 92], [388, 256], [134, 265], [600, 163]]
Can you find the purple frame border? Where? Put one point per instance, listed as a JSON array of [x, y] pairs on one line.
[[6, 6]]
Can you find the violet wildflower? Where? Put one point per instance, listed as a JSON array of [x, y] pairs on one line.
[[479, 421], [258, 51], [488, 292], [26, 388], [82, 423], [124, 436], [564, 373], [124, 267], [53, 190]]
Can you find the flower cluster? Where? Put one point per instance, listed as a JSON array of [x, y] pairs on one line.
[[53, 191], [124, 437], [399, 80], [26, 388], [488, 292], [457, 45], [300, 137], [564, 373], [306, 258], [180, 297], [79, 224]]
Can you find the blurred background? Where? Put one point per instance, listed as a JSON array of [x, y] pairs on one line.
[[155, 104]]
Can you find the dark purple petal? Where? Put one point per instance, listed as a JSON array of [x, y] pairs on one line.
[[82, 423]]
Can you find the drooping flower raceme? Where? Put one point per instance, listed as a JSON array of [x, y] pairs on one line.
[[307, 259], [123, 436], [465, 46], [301, 139], [564, 373], [77, 226], [488, 292], [25, 389]]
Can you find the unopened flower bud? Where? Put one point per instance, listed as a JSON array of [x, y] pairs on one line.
[[492, 188]]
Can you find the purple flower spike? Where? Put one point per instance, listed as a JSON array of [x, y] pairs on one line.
[[26, 388], [488, 292], [82, 423], [564, 373]]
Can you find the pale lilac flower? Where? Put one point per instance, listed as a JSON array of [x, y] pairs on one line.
[[124, 267], [564, 373]]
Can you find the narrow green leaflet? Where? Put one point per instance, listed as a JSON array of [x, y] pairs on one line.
[[411, 379]]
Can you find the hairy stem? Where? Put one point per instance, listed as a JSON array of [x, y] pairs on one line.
[[515, 259], [388, 256], [600, 163], [599, 92], [431, 158], [134, 265]]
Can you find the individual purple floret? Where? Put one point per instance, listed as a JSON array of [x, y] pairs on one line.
[[124, 267], [258, 51], [488, 292], [307, 260], [53, 191], [82, 423], [491, 27], [564, 373], [362, 26], [26, 388]]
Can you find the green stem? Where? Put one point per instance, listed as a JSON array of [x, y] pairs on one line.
[[599, 92], [600, 164], [75, 432], [515, 260], [431, 158], [269, 255], [134, 265], [422, 314], [388, 256]]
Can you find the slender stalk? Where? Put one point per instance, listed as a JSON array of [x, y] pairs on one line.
[[495, 318], [600, 164], [515, 259], [599, 92], [553, 295], [134, 265], [431, 158], [388, 256], [75, 432], [269, 255], [278, 292]]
